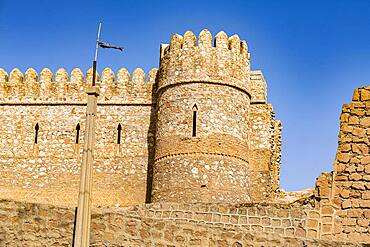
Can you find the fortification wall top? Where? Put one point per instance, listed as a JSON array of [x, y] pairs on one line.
[[62, 87], [227, 61]]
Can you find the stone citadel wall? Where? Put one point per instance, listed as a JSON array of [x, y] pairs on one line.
[[167, 224], [48, 171], [209, 80], [237, 147], [335, 213], [40, 158]]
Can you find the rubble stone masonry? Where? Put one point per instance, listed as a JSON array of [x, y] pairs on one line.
[[47, 169], [164, 224], [188, 155], [145, 149], [351, 184]]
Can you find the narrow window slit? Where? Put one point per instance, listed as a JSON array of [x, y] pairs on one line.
[[78, 133], [119, 129], [36, 132], [195, 111]]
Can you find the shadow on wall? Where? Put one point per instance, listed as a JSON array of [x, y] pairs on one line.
[[151, 144]]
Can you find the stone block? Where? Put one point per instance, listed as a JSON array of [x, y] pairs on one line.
[[365, 122], [243, 220], [353, 120], [254, 220], [345, 148], [344, 117], [313, 214], [358, 112], [345, 193], [354, 213], [356, 95], [326, 228], [365, 94], [276, 222], [327, 210], [279, 231], [311, 233], [364, 203], [366, 161], [343, 157], [359, 132], [256, 228], [358, 186], [355, 177], [346, 204], [361, 149], [367, 214], [363, 222], [266, 221], [366, 195], [349, 222], [326, 219], [300, 232], [312, 223]]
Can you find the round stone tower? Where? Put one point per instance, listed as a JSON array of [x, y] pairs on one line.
[[201, 152]]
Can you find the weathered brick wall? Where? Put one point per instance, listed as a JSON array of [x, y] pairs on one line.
[[24, 224], [351, 181], [49, 170]]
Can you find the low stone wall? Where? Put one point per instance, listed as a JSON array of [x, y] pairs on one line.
[[25, 224]]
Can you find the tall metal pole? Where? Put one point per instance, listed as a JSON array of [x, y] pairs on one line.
[[82, 230]]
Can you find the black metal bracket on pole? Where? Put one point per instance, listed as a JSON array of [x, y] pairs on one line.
[[96, 55], [94, 73]]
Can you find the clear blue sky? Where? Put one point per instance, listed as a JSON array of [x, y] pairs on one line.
[[313, 54]]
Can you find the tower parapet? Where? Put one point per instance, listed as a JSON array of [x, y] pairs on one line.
[[227, 61]]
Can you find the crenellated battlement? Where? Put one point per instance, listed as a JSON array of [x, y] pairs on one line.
[[64, 87], [222, 60], [205, 133]]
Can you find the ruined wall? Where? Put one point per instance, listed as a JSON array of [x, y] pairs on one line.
[[264, 140], [48, 171], [350, 191], [219, 225]]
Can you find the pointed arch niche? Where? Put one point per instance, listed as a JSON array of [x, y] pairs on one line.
[[119, 139], [77, 138], [195, 116]]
